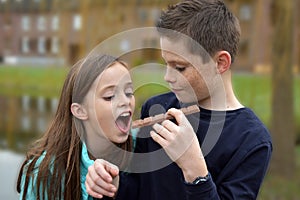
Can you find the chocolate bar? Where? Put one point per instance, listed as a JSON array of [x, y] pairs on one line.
[[161, 117]]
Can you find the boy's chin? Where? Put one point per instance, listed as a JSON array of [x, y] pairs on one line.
[[186, 99]]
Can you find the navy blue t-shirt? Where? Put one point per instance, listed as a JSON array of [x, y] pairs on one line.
[[237, 149]]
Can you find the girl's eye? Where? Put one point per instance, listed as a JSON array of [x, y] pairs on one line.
[[108, 98], [129, 94]]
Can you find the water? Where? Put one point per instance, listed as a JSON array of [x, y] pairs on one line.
[[22, 120], [10, 164]]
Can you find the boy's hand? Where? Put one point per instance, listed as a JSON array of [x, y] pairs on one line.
[[102, 179], [181, 144]]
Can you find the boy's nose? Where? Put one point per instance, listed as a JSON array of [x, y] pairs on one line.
[[170, 75]]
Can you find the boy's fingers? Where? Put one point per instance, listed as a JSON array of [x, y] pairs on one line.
[[178, 115], [112, 169], [98, 169], [96, 181], [158, 138], [96, 191], [170, 126]]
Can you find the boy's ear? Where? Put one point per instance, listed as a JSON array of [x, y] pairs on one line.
[[223, 60], [79, 111]]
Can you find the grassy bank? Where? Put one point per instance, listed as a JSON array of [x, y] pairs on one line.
[[33, 81], [282, 188], [253, 91]]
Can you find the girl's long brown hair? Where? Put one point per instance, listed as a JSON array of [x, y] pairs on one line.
[[59, 172]]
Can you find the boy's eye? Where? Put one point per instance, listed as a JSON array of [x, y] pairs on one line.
[[180, 68]]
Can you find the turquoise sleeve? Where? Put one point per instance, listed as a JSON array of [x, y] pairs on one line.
[[31, 190]]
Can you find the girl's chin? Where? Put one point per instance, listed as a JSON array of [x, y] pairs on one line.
[[121, 139]]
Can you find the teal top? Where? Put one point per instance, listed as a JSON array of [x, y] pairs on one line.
[[84, 164]]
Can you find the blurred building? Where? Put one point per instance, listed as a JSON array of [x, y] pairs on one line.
[[61, 31], [257, 34]]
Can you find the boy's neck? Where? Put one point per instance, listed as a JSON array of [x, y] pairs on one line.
[[223, 99]]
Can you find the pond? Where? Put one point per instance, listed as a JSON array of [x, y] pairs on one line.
[[22, 120]]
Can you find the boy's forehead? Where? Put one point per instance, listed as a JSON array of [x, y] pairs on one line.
[[172, 57], [176, 48], [177, 51]]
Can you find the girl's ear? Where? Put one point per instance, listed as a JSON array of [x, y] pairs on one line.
[[79, 111], [223, 60]]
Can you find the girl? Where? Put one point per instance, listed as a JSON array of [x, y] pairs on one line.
[[92, 121]]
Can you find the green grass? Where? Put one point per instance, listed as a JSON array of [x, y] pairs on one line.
[[253, 91], [282, 188], [32, 81]]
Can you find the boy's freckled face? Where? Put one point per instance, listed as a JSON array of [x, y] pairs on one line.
[[184, 73], [112, 103]]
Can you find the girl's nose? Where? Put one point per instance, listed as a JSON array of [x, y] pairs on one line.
[[124, 100]]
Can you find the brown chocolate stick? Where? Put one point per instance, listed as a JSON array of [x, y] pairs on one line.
[[161, 117]]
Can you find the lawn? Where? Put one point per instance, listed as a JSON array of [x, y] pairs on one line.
[[33, 81], [282, 188], [253, 91]]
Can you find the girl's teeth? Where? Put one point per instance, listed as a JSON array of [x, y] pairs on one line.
[[125, 114]]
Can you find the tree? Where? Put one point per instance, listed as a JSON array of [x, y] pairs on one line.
[[282, 120]]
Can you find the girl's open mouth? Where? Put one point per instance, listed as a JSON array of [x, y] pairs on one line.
[[123, 122]]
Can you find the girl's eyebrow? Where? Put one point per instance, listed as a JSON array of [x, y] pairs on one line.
[[114, 86], [109, 87]]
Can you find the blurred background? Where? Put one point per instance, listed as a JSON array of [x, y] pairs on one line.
[[41, 39]]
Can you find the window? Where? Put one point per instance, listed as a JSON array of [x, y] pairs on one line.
[[245, 12], [25, 23], [41, 45], [41, 23], [25, 45], [77, 22], [142, 15], [155, 14], [55, 45], [55, 23]]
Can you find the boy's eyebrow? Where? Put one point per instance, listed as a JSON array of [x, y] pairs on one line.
[[175, 59]]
